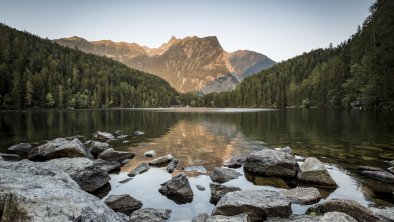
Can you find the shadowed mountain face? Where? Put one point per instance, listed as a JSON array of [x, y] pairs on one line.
[[189, 64]]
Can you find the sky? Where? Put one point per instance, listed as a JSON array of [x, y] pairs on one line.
[[280, 29]]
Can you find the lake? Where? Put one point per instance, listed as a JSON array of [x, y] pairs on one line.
[[207, 137]]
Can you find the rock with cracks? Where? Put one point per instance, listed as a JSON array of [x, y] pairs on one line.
[[258, 204], [108, 166], [312, 171], [35, 191], [178, 189], [123, 203]]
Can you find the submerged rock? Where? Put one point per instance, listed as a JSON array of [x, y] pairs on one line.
[[143, 167], [9, 157], [21, 148], [235, 162], [98, 147], [380, 175], [312, 171], [104, 136], [112, 155], [150, 153], [178, 189], [59, 148], [108, 166], [222, 175], [123, 203], [172, 166], [258, 204], [218, 191], [88, 176], [162, 160], [271, 163], [350, 207], [151, 215], [200, 187], [303, 195], [35, 191]]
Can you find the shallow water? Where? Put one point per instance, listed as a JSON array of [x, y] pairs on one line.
[[207, 137]]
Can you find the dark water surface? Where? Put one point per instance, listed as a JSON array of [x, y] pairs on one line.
[[207, 137]]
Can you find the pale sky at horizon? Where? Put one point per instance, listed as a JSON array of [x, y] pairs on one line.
[[280, 29]]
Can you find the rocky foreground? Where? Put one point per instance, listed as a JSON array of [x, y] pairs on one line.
[[60, 179]]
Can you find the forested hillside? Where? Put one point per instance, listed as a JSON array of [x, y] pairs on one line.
[[360, 70], [36, 73]]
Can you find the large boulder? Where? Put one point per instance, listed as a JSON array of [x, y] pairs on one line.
[[151, 215], [59, 148], [9, 157], [312, 171], [123, 203], [258, 204], [108, 166], [380, 175], [35, 192], [350, 207], [222, 174], [88, 176], [272, 163], [177, 189], [218, 191], [303, 195], [143, 167], [98, 147], [112, 155], [162, 160], [21, 148]]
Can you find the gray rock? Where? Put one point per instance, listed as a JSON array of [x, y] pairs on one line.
[[108, 166], [137, 133], [200, 187], [222, 175], [386, 214], [370, 168], [303, 195], [312, 171], [150, 153], [1, 158], [125, 161], [380, 175], [59, 148], [123, 203], [271, 163], [350, 207], [125, 141], [9, 157], [104, 136], [172, 166], [162, 160], [295, 218], [151, 215], [237, 218], [198, 169], [391, 163], [235, 162], [112, 155], [337, 217], [286, 149], [125, 180], [98, 147], [38, 191], [83, 170], [200, 218], [122, 137], [391, 170], [21, 148], [178, 189], [143, 167], [258, 204], [218, 191]]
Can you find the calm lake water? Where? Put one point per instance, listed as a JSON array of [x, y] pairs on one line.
[[207, 137]]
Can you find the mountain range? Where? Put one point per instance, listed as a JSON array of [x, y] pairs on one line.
[[191, 64]]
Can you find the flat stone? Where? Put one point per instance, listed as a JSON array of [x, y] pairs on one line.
[[123, 203], [303, 195], [222, 174], [9, 157], [235, 161], [108, 166], [39, 191], [337, 217], [370, 168], [112, 155], [387, 214], [381, 175], [21, 148], [178, 189], [258, 204], [200, 187], [83, 170], [350, 207], [151, 215], [150, 153], [198, 169], [312, 171], [59, 148], [218, 191], [104, 136], [172, 166], [162, 160], [143, 167], [271, 163], [98, 147]]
